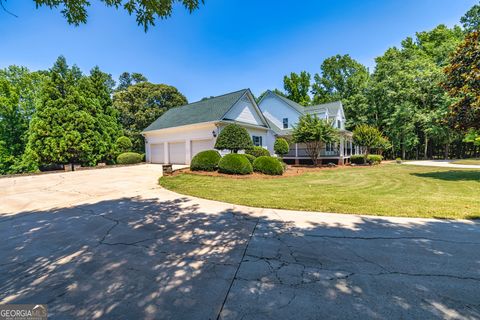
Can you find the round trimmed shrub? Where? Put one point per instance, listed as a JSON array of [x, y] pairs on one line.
[[233, 137], [281, 147], [357, 159], [124, 144], [205, 161], [235, 163], [268, 165], [250, 157], [129, 158], [258, 152], [374, 158]]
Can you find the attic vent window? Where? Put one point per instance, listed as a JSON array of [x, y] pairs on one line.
[[285, 123]]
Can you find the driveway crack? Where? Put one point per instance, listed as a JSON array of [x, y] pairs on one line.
[[238, 268]]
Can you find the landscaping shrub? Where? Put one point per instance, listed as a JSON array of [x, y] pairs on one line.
[[233, 137], [129, 158], [205, 161], [124, 144], [268, 165], [258, 152], [235, 163], [250, 157], [374, 158], [357, 159], [398, 160], [281, 147]]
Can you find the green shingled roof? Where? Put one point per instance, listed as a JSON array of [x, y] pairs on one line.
[[212, 109]]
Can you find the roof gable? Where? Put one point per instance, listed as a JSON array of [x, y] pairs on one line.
[[212, 109], [245, 111]]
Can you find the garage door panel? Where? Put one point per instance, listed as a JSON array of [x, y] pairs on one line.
[[201, 145], [157, 153], [177, 152]]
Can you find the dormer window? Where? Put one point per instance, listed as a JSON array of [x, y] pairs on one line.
[[285, 123]]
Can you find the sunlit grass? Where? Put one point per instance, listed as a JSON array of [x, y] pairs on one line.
[[390, 190], [467, 161]]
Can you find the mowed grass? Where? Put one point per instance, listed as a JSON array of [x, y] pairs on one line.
[[467, 161], [386, 190]]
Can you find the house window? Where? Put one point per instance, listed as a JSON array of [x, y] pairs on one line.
[[285, 123], [329, 147], [257, 141], [339, 124]]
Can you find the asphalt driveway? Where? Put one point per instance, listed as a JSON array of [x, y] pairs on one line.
[[111, 244]]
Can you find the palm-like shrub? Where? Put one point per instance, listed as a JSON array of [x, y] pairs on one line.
[[235, 164], [205, 161], [268, 165], [233, 137]]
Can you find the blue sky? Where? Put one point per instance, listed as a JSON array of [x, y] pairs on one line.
[[226, 45]]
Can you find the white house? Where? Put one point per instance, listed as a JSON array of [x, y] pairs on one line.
[[182, 132], [282, 115]]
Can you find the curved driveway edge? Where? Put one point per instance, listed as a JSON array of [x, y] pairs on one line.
[[441, 163], [115, 245]]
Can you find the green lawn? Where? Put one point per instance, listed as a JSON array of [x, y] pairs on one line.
[[390, 190], [467, 161]]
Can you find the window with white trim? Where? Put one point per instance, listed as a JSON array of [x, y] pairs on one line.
[[285, 123], [257, 141]]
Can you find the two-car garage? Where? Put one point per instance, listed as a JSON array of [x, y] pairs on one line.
[[179, 152]]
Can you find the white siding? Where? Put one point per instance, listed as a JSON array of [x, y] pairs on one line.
[[275, 110], [244, 111]]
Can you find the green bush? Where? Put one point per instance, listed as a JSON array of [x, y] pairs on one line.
[[258, 152], [374, 158], [281, 147], [205, 161], [250, 157], [357, 159], [399, 160], [233, 137], [268, 165], [124, 144], [235, 163], [129, 158]]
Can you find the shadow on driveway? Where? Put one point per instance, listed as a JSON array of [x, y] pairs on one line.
[[138, 258]]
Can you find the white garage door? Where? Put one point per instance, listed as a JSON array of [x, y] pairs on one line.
[[176, 152], [201, 145], [157, 153]]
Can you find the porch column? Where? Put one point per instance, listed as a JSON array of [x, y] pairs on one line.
[[296, 154], [342, 151]]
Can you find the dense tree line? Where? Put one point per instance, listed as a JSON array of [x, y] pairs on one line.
[[62, 116], [423, 95]]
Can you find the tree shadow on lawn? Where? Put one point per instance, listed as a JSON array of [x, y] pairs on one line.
[[135, 258], [452, 175]]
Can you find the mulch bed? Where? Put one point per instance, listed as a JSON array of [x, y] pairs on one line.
[[292, 170]]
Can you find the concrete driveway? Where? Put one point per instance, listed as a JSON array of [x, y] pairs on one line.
[[441, 163], [111, 244]]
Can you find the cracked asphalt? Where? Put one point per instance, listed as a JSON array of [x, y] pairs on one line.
[[111, 244]]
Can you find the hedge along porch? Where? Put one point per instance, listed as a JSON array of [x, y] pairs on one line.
[[182, 132]]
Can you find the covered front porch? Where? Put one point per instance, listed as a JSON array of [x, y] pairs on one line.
[[338, 153]]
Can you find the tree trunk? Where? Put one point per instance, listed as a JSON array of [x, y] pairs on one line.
[[403, 151], [425, 151], [446, 151]]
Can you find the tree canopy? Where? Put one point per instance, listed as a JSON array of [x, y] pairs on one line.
[[146, 12], [142, 103], [234, 138]]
